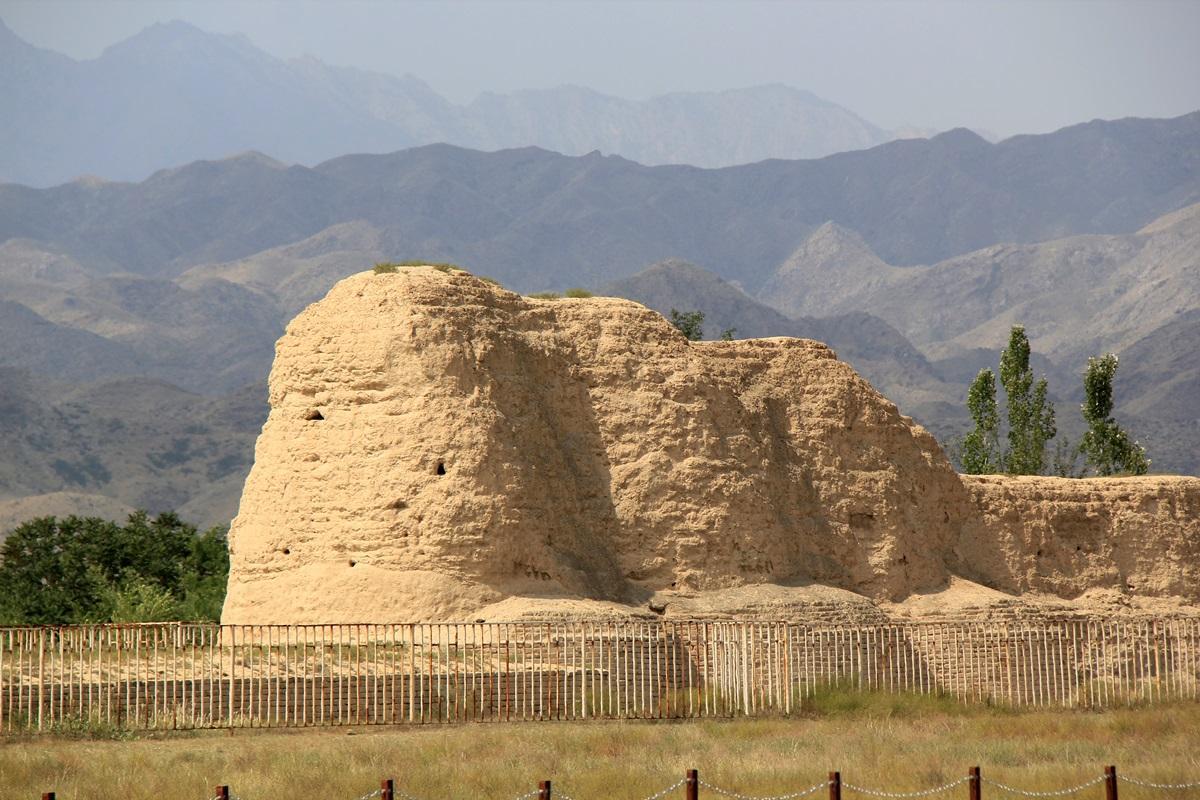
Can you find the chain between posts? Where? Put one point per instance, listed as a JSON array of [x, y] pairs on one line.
[[920, 793], [1054, 793], [664, 792], [692, 782], [737, 796], [1150, 785]]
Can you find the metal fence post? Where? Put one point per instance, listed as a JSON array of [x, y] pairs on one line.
[[222, 793], [974, 786], [1110, 783], [387, 790], [835, 786], [692, 785], [544, 790], [47, 795]]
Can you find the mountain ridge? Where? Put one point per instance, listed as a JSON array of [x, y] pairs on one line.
[[307, 111], [530, 213]]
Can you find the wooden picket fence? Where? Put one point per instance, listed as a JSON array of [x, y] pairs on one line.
[[176, 675]]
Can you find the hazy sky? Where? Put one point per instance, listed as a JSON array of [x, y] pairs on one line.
[[1006, 67]]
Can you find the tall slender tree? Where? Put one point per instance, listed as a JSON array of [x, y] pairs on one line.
[[1106, 445], [981, 447], [1030, 414]]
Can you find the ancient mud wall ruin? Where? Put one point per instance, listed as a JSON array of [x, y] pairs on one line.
[[439, 448]]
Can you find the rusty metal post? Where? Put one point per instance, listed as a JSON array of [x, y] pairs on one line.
[[692, 785], [387, 790], [974, 785], [835, 786], [222, 793], [544, 790], [1110, 783], [47, 795]]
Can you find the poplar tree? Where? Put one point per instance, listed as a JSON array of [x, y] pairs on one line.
[[981, 447], [1030, 414], [1106, 445]]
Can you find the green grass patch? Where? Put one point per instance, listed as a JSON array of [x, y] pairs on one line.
[[846, 699], [386, 267], [544, 296], [578, 293]]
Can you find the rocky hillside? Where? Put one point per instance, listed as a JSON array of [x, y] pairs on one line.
[[109, 446]]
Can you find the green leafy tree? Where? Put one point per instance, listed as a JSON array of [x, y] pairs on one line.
[[689, 323], [76, 569], [1106, 445], [728, 334], [980, 450], [1030, 414]]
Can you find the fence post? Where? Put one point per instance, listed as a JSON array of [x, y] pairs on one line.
[[41, 674], [1110, 783], [222, 793], [835, 786], [47, 795], [544, 790], [692, 784], [387, 790], [974, 785]]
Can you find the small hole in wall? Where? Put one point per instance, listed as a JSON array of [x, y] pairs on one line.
[[353, 562], [314, 414], [441, 468], [287, 551]]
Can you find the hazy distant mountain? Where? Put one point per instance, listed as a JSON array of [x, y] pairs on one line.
[[539, 220], [174, 94], [1077, 296], [873, 347], [209, 336]]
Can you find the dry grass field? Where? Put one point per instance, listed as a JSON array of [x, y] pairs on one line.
[[894, 743]]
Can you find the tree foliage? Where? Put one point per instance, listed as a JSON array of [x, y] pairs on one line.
[[980, 451], [1106, 445], [74, 570], [1030, 414], [689, 323]]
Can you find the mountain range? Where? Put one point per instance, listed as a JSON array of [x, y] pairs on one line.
[[541, 220], [137, 320], [173, 94]]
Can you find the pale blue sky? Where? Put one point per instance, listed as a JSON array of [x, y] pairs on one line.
[[1006, 67]]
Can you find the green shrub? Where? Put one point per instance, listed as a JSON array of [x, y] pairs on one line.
[[492, 281], [77, 570], [578, 293], [545, 296], [384, 267]]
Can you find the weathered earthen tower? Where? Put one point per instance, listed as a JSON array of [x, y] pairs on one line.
[[439, 448]]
